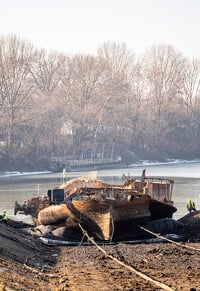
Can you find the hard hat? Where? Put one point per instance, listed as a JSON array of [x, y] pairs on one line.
[[4, 211]]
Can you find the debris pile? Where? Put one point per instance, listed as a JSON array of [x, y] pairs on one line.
[[191, 229]]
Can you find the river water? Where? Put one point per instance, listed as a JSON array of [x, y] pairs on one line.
[[22, 186]]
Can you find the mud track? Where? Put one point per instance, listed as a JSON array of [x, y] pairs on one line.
[[26, 264], [88, 269]]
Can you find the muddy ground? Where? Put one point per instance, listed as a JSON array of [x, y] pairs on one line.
[[27, 264]]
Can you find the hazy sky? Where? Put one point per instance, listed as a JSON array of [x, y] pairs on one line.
[[81, 26]]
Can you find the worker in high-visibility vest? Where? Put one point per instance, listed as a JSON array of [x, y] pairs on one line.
[[4, 217], [191, 206]]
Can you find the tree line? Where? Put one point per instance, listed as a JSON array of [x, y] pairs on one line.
[[55, 104]]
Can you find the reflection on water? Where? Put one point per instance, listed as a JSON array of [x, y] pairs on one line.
[[24, 187]]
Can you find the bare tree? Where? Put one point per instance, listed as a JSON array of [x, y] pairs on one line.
[[191, 106], [81, 81], [118, 62], [16, 87], [164, 73], [48, 115], [44, 71], [137, 112], [191, 87]]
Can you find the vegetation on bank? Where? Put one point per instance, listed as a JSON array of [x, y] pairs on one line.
[[53, 104]]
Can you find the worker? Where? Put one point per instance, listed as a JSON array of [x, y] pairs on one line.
[[4, 217], [191, 206]]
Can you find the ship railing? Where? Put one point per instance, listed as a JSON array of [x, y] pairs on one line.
[[92, 161]]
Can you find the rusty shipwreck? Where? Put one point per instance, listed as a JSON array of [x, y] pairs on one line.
[[108, 212]]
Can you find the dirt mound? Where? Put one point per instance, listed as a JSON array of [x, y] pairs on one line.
[[191, 229], [22, 259], [26, 264], [191, 218]]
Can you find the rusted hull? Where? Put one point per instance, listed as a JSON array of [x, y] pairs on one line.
[[128, 210], [104, 221], [161, 209], [54, 214], [127, 216], [32, 207]]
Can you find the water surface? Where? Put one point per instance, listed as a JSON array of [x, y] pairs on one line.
[[22, 187]]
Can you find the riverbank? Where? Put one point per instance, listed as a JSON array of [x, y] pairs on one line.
[[26, 264]]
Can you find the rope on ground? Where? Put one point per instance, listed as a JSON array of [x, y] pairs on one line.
[[167, 239], [33, 270], [37, 271], [142, 275]]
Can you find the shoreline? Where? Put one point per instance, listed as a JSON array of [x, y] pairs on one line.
[[142, 163]]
